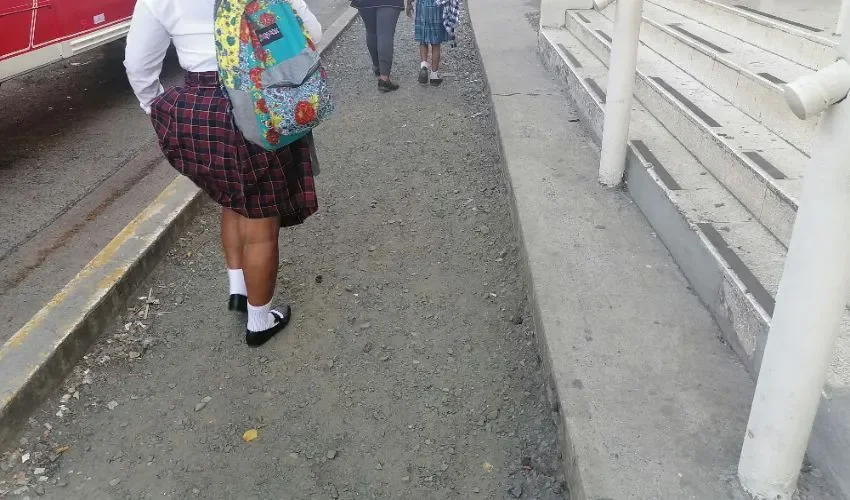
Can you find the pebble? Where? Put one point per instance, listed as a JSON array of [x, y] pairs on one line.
[[334, 492], [493, 415], [367, 347], [200, 406], [378, 466], [112, 404], [39, 471], [332, 454], [114, 482], [516, 491], [372, 248], [366, 326], [405, 479]]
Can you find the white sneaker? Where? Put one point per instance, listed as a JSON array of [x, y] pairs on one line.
[[434, 78]]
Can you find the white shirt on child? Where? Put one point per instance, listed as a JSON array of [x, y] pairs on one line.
[[189, 25]]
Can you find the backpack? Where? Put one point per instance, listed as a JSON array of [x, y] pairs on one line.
[[271, 71]]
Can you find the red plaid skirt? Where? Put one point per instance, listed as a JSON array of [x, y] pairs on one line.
[[200, 139]]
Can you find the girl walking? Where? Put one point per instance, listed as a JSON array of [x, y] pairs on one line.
[[431, 34], [259, 191]]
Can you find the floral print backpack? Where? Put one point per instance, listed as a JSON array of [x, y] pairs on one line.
[[270, 69]]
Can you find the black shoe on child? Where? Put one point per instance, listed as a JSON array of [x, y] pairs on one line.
[[238, 303], [376, 71], [387, 86], [256, 339], [423, 75]]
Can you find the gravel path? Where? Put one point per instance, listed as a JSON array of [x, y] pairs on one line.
[[410, 372]]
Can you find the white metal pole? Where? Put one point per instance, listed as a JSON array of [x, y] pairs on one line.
[[621, 83], [809, 309], [842, 16]]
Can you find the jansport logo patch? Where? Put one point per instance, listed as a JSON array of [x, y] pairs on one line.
[[269, 34]]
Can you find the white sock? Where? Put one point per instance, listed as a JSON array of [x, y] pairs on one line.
[[424, 64], [237, 282], [435, 75], [260, 318]]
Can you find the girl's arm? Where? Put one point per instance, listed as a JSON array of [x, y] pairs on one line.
[[314, 27], [147, 43]]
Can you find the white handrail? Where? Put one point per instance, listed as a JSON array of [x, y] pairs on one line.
[[812, 294], [842, 16], [620, 91]]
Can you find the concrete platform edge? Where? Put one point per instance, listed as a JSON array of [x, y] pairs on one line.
[[35, 361]]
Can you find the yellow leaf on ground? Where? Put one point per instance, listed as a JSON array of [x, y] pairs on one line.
[[488, 467], [250, 435], [62, 449]]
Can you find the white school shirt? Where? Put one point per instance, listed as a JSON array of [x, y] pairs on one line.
[[189, 25]]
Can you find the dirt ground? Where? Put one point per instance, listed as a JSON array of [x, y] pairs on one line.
[[410, 371]]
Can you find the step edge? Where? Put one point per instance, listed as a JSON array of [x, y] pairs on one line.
[[764, 21], [779, 125], [744, 161]]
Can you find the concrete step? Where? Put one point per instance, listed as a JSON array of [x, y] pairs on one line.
[[757, 166], [732, 261], [747, 76], [805, 45]]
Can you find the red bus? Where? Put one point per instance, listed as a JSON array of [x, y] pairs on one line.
[[34, 33]]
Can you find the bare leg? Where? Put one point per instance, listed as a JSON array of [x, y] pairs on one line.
[[423, 53], [435, 57], [231, 240], [260, 258]]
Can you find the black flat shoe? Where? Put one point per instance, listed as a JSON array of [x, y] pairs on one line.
[[256, 339], [423, 75], [238, 303], [376, 71], [387, 86]]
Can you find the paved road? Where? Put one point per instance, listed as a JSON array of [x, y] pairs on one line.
[[410, 371], [78, 161]]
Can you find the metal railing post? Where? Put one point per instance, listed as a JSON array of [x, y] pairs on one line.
[[842, 16], [812, 294], [620, 91]]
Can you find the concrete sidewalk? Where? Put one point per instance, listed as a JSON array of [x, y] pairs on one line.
[[410, 371]]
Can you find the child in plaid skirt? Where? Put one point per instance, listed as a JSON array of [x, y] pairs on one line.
[[430, 33]]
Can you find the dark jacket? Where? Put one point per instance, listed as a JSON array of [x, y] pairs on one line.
[[371, 4]]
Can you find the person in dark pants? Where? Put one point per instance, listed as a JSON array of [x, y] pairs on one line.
[[380, 18]]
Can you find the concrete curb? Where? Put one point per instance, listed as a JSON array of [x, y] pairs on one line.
[[35, 361]]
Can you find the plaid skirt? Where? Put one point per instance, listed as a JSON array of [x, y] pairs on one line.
[[199, 138], [429, 23]]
